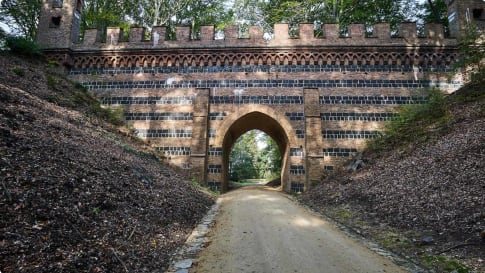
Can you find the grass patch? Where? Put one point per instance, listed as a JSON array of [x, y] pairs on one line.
[[444, 264], [74, 95], [22, 46], [196, 184], [343, 214], [19, 71], [114, 116], [141, 154], [392, 240], [413, 124]]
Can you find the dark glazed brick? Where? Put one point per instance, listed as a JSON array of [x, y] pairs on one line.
[[215, 151], [300, 133], [159, 116], [214, 169], [146, 100], [212, 133], [295, 116], [164, 133], [339, 134], [377, 100], [357, 116], [217, 115], [297, 170], [267, 84], [297, 187], [256, 68], [214, 185], [256, 99], [174, 150], [339, 152], [296, 152]]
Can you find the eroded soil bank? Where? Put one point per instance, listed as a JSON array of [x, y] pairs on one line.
[[76, 195]]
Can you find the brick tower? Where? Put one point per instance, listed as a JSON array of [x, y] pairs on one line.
[[59, 23], [462, 12]]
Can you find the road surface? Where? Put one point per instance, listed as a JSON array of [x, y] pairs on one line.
[[261, 230]]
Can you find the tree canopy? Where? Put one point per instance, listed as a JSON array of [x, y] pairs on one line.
[[23, 15], [254, 155]]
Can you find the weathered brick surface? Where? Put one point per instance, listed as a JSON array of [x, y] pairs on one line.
[[319, 98]]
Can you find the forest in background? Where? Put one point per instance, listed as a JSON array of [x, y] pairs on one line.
[[22, 16]]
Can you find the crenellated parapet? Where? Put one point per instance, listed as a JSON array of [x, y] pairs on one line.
[[355, 36], [356, 48]]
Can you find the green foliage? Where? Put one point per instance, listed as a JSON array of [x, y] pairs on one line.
[[242, 157], [3, 36], [472, 48], [393, 240], [343, 12], [102, 14], [19, 71], [195, 13], [434, 11], [21, 15], [446, 265], [114, 116], [247, 161], [413, 123], [96, 211], [343, 214], [23, 47]]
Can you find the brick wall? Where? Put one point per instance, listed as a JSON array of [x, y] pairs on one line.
[[319, 98]]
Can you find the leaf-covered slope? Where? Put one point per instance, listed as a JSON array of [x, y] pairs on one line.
[[433, 188], [77, 196]]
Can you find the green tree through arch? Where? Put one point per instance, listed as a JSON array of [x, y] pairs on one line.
[[254, 155]]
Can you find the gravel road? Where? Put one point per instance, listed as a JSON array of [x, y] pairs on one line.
[[261, 230]]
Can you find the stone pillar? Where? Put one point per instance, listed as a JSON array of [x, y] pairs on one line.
[[199, 142], [331, 31], [207, 33], [357, 31], [408, 30], [182, 33], [307, 32], [159, 35], [313, 137], [91, 36], [231, 32], [255, 33], [113, 35], [137, 34], [281, 33], [382, 31]]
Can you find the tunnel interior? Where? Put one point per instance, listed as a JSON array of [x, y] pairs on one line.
[[248, 122]]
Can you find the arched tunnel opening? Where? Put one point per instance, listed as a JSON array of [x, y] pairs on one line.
[[255, 121], [254, 159]]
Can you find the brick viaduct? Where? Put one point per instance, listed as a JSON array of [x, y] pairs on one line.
[[320, 99]]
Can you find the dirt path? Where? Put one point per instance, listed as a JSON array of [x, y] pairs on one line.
[[260, 230]]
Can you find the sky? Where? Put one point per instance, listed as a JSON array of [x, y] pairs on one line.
[[5, 27]]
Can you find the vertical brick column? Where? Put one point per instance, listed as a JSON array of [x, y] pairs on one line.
[[199, 142], [313, 137]]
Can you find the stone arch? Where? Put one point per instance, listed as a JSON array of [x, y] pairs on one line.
[[260, 117]]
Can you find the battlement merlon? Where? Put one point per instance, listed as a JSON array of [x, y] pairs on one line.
[[356, 36]]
